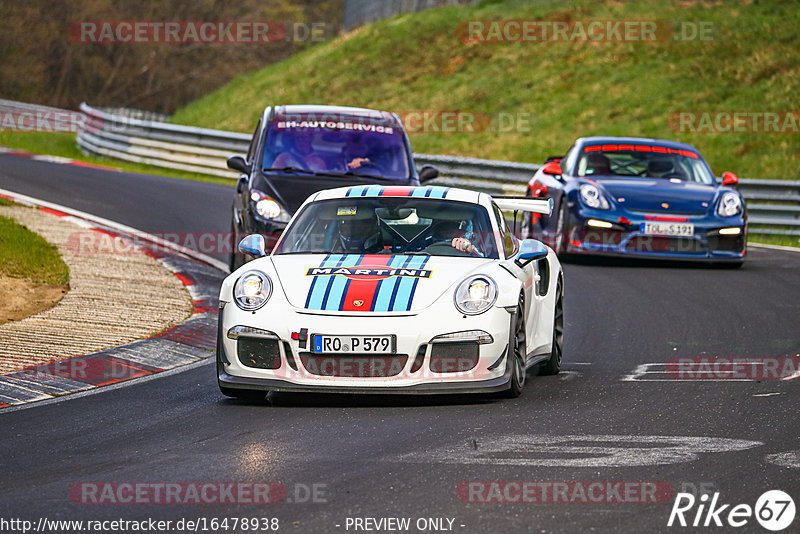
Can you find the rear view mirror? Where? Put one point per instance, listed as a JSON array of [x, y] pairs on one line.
[[253, 245], [728, 178], [530, 250], [552, 168], [427, 173], [237, 163]]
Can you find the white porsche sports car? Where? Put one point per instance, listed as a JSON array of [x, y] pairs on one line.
[[375, 289]]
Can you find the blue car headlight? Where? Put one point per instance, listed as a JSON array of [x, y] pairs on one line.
[[730, 204], [252, 290], [593, 198]]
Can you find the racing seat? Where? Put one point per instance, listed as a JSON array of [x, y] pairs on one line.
[[598, 164], [663, 168]]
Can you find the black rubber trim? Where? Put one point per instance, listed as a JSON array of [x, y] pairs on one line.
[[485, 386]]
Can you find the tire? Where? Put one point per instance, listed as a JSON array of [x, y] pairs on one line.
[[516, 353], [553, 365]]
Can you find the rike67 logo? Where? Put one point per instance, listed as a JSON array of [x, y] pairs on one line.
[[774, 510]]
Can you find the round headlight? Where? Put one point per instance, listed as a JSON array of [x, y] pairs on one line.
[[475, 295], [729, 205], [592, 197], [268, 208], [252, 290]]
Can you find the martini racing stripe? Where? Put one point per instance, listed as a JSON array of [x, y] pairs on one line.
[[360, 293], [397, 292], [365, 292], [433, 191]]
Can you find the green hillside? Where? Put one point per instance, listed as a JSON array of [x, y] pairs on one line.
[[564, 89]]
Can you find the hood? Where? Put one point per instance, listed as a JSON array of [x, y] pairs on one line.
[[293, 189], [369, 283], [649, 194]]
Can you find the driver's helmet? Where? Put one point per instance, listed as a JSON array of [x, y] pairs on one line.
[[444, 230], [359, 235]]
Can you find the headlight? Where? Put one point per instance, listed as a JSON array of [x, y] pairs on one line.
[[592, 197], [729, 205], [475, 295], [252, 290], [267, 208]]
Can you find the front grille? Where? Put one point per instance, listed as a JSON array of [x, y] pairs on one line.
[[354, 365], [454, 357], [729, 243], [650, 243], [258, 353]]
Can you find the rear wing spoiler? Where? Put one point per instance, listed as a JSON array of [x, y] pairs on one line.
[[535, 205]]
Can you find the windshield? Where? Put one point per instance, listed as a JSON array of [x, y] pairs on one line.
[[644, 161], [354, 145], [391, 225]]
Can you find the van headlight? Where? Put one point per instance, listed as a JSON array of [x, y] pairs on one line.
[[252, 290], [475, 295]]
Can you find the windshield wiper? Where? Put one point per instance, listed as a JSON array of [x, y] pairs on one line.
[[290, 169], [349, 174]]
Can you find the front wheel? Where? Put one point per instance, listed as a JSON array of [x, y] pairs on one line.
[[517, 353], [553, 365]]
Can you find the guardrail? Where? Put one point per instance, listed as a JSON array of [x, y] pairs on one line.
[[773, 205]]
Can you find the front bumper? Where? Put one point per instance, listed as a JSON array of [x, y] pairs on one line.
[[625, 238], [295, 367]]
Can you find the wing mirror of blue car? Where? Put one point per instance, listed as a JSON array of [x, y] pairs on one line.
[[728, 178], [552, 168], [253, 245], [237, 163], [530, 250], [427, 173]]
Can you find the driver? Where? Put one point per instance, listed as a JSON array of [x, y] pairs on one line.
[[299, 153], [355, 152], [459, 234], [359, 236]]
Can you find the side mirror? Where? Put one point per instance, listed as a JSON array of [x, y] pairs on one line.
[[253, 245], [427, 173], [237, 163], [728, 178], [552, 168], [530, 250]]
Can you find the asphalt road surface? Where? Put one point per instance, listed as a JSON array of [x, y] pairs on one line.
[[619, 424]]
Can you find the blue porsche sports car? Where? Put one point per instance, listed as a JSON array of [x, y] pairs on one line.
[[636, 196]]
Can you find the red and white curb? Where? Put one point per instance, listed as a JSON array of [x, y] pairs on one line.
[[190, 342], [54, 159]]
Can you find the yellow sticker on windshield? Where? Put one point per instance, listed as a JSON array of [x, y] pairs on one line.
[[349, 210]]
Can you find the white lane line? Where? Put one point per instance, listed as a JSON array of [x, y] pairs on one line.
[[766, 394], [208, 260], [577, 450]]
